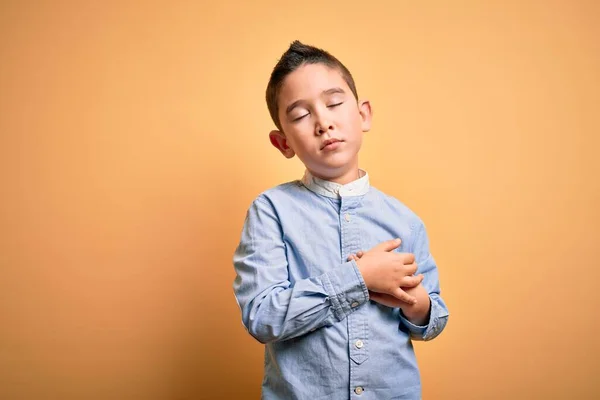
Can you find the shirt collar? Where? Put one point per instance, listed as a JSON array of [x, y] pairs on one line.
[[334, 190]]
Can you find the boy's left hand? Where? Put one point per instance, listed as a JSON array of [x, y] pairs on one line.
[[389, 300], [393, 302]]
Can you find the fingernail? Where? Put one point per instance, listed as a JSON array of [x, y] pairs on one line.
[[397, 240]]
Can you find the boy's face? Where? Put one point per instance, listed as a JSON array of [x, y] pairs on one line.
[[322, 122]]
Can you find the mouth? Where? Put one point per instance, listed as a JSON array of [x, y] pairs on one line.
[[330, 143]]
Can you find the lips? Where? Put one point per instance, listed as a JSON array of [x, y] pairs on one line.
[[330, 141]]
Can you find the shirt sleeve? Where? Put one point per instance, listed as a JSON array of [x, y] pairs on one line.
[[272, 308], [438, 312]]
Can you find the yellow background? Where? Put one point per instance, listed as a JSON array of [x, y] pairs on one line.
[[133, 137]]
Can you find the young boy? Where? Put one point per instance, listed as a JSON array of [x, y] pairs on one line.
[[337, 319]]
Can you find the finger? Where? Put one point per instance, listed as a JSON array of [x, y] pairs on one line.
[[388, 245], [386, 300], [410, 269], [360, 254], [402, 295], [412, 281], [409, 258]]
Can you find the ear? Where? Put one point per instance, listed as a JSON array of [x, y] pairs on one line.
[[366, 114], [280, 142]]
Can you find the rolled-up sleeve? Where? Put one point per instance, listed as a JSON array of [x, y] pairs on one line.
[[438, 312]]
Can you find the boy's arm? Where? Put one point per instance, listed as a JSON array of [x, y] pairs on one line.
[[437, 316], [273, 309]]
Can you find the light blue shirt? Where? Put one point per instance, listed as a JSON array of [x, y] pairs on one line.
[[300, 296]]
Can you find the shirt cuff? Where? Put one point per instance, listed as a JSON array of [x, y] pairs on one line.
[[438, 317], [346, 289], [415, 330]]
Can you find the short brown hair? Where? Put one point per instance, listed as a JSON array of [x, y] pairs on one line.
[[294, 57]]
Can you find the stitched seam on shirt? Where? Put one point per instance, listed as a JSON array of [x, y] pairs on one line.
[[360, 279], [333, 297]]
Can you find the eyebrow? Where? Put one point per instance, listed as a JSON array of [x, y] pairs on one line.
[[325, 92]]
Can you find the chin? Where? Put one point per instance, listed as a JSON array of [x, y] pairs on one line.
[[341, 160]]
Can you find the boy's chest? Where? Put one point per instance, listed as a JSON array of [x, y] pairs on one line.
[[319, 239]]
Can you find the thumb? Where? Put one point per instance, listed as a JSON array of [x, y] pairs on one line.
[[388, 245]]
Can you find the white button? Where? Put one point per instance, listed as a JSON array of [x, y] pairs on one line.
[[355, 304], [347, 217], [359, 344], [359, 390]]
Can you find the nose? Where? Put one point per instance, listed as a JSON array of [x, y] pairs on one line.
[[323, 126]]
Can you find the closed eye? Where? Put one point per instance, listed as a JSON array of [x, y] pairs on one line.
[[299, 118], [329, 106]]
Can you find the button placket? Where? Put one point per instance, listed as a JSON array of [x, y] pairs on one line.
[[357, 320]]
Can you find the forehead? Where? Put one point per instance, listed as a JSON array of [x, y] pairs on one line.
[[309, 81]]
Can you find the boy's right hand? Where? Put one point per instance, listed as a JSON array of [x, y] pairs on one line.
[[386, 271]]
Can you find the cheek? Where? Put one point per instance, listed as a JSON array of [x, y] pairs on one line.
[[351, 118], [351, 124], [299, 142]]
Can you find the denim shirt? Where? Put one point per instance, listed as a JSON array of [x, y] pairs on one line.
[[298, 294]]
